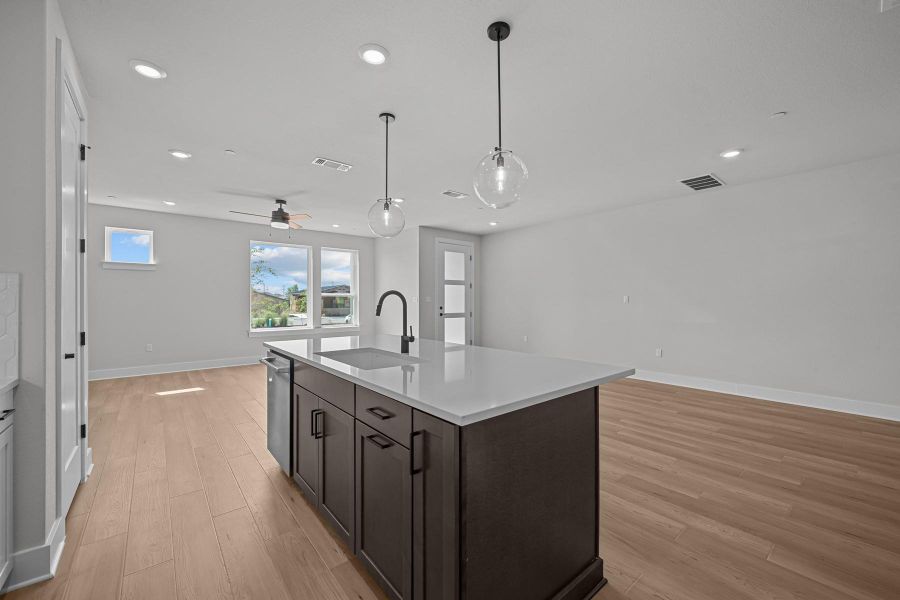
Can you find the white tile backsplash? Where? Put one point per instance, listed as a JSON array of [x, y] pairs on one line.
[[9, 327]]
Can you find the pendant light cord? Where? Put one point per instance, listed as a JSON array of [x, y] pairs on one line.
[[499, 102], [386, 121]]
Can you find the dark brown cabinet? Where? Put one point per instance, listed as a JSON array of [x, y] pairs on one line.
[[384, 510], [323, 460], [336, 469], [435, 476], [306, 442], [503, 508]]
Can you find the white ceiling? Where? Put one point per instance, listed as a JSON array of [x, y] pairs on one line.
[[609, 102]]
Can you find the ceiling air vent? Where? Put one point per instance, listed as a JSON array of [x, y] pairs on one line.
[[454, 194], [704, 182], [332, 164]]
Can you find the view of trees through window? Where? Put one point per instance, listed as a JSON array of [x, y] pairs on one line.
[[338, 281], [279, 290]]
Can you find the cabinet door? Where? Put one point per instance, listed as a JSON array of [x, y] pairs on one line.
[[435, 483], [307, 425], [5, 501], [336, 469], [384, 510]]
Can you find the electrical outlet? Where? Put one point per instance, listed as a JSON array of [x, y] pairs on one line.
[[149, 348], [626, 299], [525, 338], [659, 353]]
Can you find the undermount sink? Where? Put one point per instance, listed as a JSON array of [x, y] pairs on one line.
[[370, 358]]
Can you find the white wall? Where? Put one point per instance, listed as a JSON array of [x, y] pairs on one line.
[[397, 268], [791, 283], [195, 306], [29, 31]]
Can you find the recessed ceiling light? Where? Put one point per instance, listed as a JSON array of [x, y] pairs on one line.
[[335, 225], [168, 203], [778, 115], [373, 54], [111, 197], [148, 69], [731, 153], [179, 153], [493, 223], [230, 152]]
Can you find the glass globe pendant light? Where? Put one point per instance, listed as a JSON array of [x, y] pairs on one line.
[[501, 174], [386, 218]]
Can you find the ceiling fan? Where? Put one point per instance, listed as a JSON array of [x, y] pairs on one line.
[[280, 218]]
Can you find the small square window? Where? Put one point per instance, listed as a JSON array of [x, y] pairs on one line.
[[133, 246]]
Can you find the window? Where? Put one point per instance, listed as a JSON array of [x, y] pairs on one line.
[[279, 286], [134, 246], [338, 287]]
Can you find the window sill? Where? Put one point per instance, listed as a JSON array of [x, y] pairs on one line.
[[300, 332], [129, 266]]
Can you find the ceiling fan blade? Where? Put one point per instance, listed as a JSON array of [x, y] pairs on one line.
[[293, 225], [237, 212], [260, 195], [247, 194], [302, 216]]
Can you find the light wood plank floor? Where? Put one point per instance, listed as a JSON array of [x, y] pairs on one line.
[[704, 497]]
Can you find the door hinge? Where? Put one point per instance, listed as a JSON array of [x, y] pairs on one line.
[[84, 150], [82, 245], [83, 431], [83, 338]]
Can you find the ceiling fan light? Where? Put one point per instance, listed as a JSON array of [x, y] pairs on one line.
[[279, 225]]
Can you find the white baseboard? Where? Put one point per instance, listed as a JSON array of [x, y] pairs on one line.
[[172, 367], [845, 405], [39, 563]]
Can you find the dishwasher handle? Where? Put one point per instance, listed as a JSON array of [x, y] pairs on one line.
[[270, 362]]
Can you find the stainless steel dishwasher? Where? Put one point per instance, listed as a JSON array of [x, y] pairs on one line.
[[278, 399]]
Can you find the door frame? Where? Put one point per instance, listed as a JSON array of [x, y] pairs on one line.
[[470, 293], [67, 83]]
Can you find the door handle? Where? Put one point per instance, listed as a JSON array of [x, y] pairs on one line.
[[380, 412], [415, 456], [69, 355], [270, 362], [7, 413], [314, 423], [440, 311], [374, 439]]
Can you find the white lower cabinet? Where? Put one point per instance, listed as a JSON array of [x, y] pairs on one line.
[[6, 493]]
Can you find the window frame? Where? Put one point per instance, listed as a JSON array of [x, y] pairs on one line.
[[354, 288], [310, 303], [108, 263]]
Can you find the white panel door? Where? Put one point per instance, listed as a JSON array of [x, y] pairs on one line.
[[455, 292], [69, 343]]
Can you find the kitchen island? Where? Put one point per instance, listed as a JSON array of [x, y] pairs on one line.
[[454, 471]]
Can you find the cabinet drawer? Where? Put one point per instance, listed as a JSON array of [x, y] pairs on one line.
[[392, 418], [325, 385]]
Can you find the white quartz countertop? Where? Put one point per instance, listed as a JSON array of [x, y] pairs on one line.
[[460, 384], [8, 383]]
